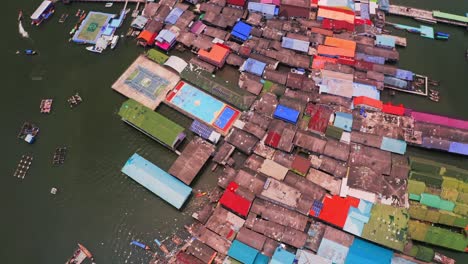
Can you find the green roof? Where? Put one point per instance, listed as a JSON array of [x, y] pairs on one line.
[[151, 123], [157, 56], [437, 236], [450, 16], [433, 180]]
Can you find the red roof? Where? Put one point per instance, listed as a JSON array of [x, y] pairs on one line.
[[319, 117], [235, 202], [300, 165], [318, 62], [147, 36], [335, 209], [393, 109], [236, 2], [337, 24], [272, 139], [361, 21], [367, 101]]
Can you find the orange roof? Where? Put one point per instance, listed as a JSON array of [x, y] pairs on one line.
[[340, 43], [322, 31], [364, 100], [335, 15], [217, 54], [334, 51], [147, 36]]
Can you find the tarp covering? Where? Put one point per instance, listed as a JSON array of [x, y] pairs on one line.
[[286, 114], [393, 145], [253, 66], [157, 181], [295, 44], [440, 120]]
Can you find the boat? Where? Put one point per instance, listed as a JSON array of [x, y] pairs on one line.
[[30, 52], [127, 11], [43, 12], [46, 106], [109, 4], [140, 245], [430, 21], [114, 41], [80, 254], [63, 18], [94, 49], [433, 82], [78, 12], [410, 30], [20, 15], [442, 35], [73, 30], [161, 246]]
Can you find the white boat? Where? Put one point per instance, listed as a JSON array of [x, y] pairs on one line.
[[109, 4], [114, 41], [94, 49]]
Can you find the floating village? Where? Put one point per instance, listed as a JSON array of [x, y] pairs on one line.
[[325, 175]]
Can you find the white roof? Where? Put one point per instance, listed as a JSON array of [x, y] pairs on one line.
[[176, 63], [40, 9]]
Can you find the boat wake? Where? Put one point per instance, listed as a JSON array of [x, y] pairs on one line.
[[21, 30]]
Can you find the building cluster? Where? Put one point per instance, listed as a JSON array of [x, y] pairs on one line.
[[324, 174]]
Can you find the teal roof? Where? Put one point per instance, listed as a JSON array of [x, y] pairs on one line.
[[261, 259], [157, 181], [393, 145], [282, 256], [364, 252], [450, 16], [386, 41], [243, 252]]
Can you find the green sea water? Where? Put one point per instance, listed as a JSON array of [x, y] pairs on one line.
[[96, 204]]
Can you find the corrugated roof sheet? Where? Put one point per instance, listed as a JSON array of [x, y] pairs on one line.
[[42, 7], [253, 66], [166, 36], [281, 256], [286, 114], [334, 51], [242, 252], [393, 145], [241, 30], [365, 252], [367, 101], [336, 14], [343, 121], [340, 43], [176, 63], [295, 44], [157, 181], [404, 74], [360, 89], [235, 202], [266, 9]]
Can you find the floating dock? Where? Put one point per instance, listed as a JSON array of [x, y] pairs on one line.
[[146, 82], [429, 16], [23, 166], [157, 181]]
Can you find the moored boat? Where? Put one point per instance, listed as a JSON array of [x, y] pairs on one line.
[[30, 52], [114, 41], [94, 49], [80, 254], [140, 245], [20, 15], [109, 4]]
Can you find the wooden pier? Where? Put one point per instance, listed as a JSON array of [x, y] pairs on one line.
[[423, 93], [421, 15]]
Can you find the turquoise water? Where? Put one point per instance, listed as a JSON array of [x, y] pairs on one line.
[[96, 204]]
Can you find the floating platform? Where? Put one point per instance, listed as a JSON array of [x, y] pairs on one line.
[[23, 166], [46, 106], [28, 132], [202, 106], [59, 156], [74, 100], [92, 27], [146, 82]]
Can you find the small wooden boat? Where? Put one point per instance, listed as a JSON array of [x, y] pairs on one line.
[[114, 41], [20, 15], [80, 254], [78, 12], [140, 245], [109, 4], [94, 49], [63, 18], [161, 246], [46, 106]]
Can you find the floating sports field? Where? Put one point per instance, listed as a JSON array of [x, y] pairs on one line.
[[92, 27], [202, 106]]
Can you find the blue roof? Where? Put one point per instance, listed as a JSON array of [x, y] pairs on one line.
[[281, 256], [241, 31], [295, 44], [370, 58], [261, 259], [358, 217], [173, 16], [364, 13], [286, 114], [108, 31], [404, 75], [360, 89], [201, 129], [333, 251], [266, 9], [364, 252], [385, 41], [253, 66], [157, 181], [116, 22], [459, 148], [242, 252], [393, 145], [166, 35], [343, 121]]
